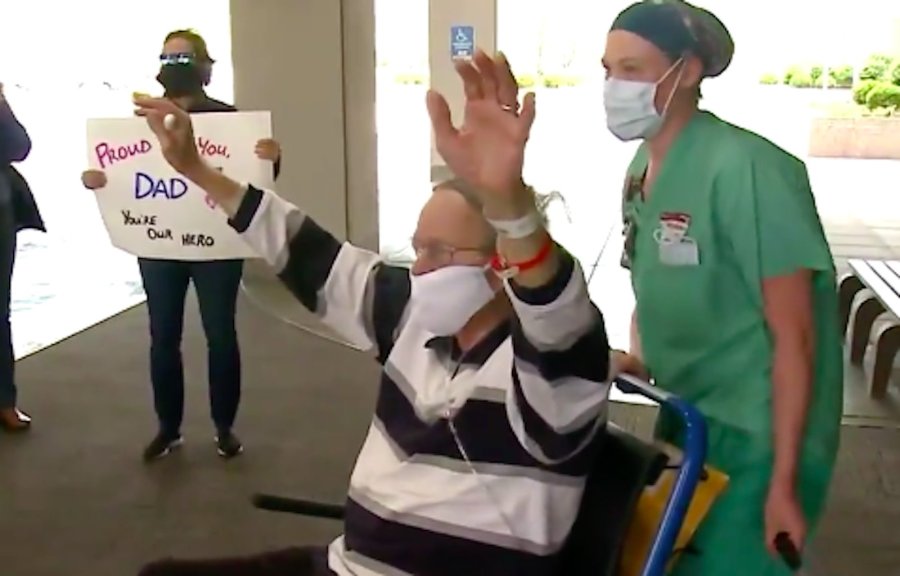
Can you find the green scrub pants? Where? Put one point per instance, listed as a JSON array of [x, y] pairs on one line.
[[731, 539]]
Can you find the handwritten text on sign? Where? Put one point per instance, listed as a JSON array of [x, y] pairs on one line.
[[150, 210]]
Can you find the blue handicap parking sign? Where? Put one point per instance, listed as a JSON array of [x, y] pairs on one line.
[[462, 41]]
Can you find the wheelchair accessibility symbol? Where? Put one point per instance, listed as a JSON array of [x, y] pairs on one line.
[[462, 42]]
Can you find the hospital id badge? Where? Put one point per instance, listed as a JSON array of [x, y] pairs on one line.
[[681, 253]]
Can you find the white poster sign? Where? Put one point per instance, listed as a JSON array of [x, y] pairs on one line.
[[153, 212]]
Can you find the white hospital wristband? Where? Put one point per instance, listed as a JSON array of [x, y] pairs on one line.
[[520, 228]]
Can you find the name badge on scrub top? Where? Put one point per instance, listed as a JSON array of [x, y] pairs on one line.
[[676, 248], [683, 252]]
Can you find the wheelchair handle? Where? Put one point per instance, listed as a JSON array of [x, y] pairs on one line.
[[297, 506], [689, 474]]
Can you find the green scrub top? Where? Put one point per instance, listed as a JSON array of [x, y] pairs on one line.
[[729, 209], [744, 211]]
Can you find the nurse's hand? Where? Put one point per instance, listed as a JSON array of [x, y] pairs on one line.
[[488, 150], [630, 364], [784, 514]]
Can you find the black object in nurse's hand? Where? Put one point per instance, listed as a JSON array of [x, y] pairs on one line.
[[788, 551]]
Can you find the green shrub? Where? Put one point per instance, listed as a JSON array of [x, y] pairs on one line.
[[876, 67], [769, 79], [841, 76], [560, 81], [815, 74], [410, 78], [526, 80], [793, 71], [883, 95], [801, 79], [861, 91], [894, 74]]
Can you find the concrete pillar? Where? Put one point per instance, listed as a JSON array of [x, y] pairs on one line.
[[312, 63], [445, 18], [288, 59]]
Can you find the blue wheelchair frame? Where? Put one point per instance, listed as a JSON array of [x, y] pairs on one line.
[[689, 475]]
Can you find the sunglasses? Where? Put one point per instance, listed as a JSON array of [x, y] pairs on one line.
[[178, 58]]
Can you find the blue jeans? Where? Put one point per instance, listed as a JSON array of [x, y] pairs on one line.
[[216, 284], [7, 260]]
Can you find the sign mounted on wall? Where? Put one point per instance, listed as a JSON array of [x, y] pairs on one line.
[[150, 210], [462, 42]]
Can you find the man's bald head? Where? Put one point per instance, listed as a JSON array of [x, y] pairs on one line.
[[453, 229]]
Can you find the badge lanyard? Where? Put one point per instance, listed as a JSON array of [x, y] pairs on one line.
[[634, 188]]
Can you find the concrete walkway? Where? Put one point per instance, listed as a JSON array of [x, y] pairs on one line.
[[75, 500]]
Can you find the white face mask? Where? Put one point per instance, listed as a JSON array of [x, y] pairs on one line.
[[631, 106], [443, 300]]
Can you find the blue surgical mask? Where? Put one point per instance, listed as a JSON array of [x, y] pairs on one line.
[[631, 106]]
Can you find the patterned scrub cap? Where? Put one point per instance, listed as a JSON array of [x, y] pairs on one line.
[[676, 26]]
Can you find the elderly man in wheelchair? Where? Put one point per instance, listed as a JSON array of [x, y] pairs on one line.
[[496, 368]]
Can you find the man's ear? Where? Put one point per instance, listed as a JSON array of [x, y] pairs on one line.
[[693, 72]]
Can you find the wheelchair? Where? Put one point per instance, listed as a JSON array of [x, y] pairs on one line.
[[625, 467]]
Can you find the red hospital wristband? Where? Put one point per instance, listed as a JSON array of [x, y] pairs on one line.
[[509, 269]]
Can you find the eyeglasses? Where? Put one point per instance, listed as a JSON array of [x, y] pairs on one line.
[[178, 58], [438, 254]]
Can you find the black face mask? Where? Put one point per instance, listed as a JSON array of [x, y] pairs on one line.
[[180, 79]]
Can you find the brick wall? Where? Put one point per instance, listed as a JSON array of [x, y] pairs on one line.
[[855, 138]]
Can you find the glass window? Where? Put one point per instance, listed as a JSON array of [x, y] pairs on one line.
[[65, 62]]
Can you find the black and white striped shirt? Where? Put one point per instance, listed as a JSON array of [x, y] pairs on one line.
[[495, 489]]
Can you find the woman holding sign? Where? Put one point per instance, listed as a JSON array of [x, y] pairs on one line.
[[185, 70]]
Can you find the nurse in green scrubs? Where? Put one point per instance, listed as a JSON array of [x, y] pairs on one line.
[[735, 288]]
